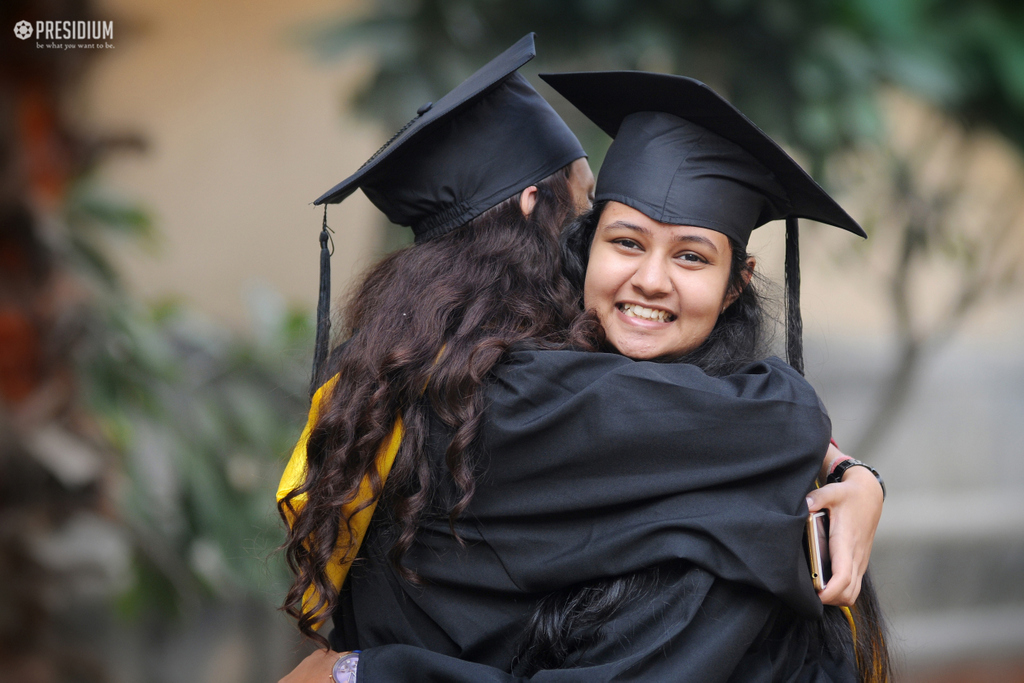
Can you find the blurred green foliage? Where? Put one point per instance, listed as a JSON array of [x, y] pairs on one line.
[[91, 217], [806, 71], [201, 418]]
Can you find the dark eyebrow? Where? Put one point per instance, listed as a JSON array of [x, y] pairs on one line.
[[699, 239], [678, 238], [629, 226]]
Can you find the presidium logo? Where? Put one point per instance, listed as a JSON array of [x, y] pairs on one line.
[[86, 34]]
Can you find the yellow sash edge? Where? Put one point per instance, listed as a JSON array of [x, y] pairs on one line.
[[853, 626], [295, 474]]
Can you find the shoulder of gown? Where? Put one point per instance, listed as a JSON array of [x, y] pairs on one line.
[[595, 465]]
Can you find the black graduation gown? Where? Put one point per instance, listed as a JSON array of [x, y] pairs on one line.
[[596, 466]]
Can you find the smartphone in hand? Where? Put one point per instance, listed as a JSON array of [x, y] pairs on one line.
[[817, 549]]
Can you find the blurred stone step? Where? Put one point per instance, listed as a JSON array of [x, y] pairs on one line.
[[934, 638], [950, 552], [953, 574], [939, 516]]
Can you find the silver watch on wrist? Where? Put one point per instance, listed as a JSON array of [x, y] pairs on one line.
[[345, 668]]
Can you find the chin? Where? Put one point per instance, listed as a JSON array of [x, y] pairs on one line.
[[636, 351], [644, 349]]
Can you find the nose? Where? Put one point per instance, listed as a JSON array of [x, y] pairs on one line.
[[651, 278]]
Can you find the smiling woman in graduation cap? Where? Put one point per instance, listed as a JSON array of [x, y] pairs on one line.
[[506, 481], [661, 263]]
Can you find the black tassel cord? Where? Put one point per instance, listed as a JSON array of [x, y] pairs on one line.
[[323, 306], [794, 321]]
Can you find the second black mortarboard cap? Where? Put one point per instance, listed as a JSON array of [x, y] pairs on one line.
[[684, 155]]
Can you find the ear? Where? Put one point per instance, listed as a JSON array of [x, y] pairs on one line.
[[528, 200], [733, 294]]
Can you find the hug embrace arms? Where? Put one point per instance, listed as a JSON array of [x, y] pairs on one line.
[[636, 462], [552, 512], [584, 478]]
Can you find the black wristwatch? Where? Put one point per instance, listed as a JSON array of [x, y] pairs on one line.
[[345, 668], [836, 475]]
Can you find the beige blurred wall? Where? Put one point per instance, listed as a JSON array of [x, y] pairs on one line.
[[245, 128]]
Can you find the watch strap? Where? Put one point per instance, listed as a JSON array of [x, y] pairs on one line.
[[839, 469]]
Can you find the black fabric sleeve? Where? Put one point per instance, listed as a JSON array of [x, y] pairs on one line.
[[599, 466]]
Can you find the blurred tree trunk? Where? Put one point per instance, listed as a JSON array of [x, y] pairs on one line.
[[952, 200]]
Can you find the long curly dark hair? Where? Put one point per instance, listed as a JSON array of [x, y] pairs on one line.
[[566, 622], [425, 328]]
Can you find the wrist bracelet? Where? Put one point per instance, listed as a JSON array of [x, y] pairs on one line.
[[344, 670], [838, 470], [835, 463]]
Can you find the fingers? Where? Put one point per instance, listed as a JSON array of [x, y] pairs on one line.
[[847, 548], [844, 585], [825, 497], [841, 594]]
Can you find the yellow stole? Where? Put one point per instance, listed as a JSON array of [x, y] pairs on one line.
[[294, 476]]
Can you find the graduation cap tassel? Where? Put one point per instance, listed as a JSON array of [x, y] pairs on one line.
[[794, 321], [323, 307]]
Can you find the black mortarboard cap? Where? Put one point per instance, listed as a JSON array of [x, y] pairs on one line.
[[488, 139], [683, 155]]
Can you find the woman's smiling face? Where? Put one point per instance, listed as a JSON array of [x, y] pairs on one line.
[[657, 288]]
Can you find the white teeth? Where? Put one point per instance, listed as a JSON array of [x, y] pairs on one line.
[[636, 311]]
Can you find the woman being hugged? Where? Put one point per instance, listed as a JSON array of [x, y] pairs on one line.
[[549, 469], [660, 263]]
